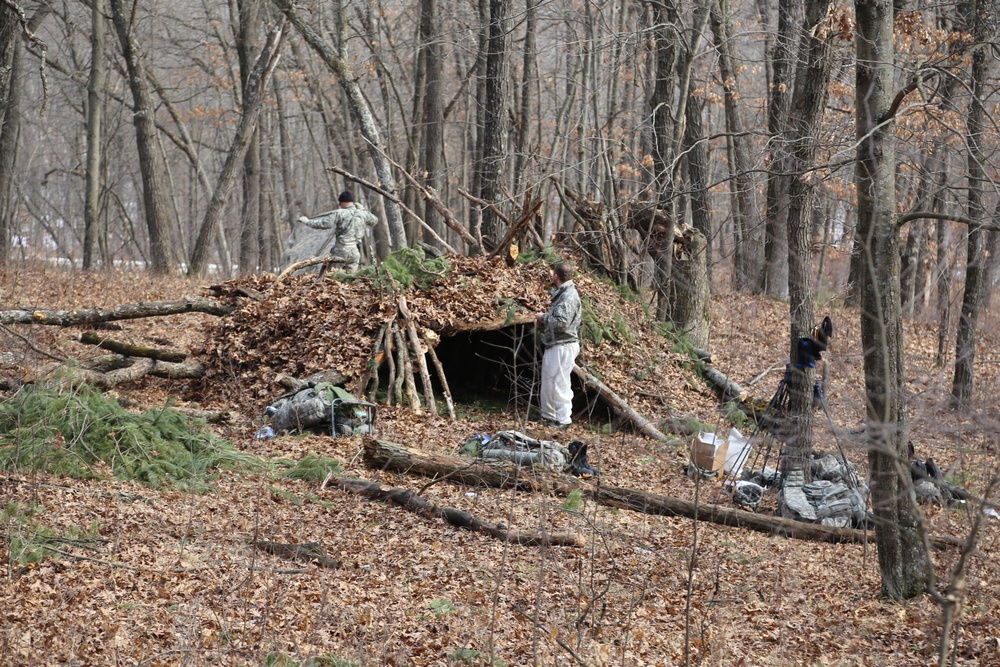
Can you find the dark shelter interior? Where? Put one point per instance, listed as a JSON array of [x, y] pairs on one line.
[[501, 369]]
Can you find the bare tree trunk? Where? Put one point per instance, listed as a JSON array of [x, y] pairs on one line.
[[662, 103], [807, 106], [529, 72], [901, 537], [431, 135], [9, 72], [976, 273], [95, 108], [750, 248], [496, 108], [249, 21], [159, 221], [776, 228], [257, 82]]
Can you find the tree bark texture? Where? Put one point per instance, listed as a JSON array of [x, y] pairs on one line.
[[10, 68], [691, 309], [496, 108], [129, 311], [253, 100], [904, 563], [459, 518], [805, 115], [976, 274], [749, 239], [95, 108], [159, 219]]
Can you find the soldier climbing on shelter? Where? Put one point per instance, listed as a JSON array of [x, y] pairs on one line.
[[351, 223]]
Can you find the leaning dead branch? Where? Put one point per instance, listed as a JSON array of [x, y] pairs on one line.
[[459, 518], [623, 409]]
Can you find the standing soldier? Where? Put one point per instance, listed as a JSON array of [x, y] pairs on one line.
[[562, 345], [351, 222]]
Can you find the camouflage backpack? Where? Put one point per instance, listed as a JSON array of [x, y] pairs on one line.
[[524, 450], [303, 410]]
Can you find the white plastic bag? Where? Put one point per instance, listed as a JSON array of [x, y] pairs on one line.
[[738, 454]]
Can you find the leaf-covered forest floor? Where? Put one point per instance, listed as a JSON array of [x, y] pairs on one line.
[[174, 579]]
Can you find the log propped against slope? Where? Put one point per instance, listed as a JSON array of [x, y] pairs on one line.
[[623, 409], [459, 518], [476, 472]]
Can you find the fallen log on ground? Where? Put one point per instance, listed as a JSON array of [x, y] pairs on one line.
[[623, 409], [129, 311], [310, 551], [130, 350], [391, 456], [128, 369], [724, 388], [459, 518]]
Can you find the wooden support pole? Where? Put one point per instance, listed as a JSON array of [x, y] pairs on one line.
[[418, 356], [406, 373], [439, 367], [390, 393]]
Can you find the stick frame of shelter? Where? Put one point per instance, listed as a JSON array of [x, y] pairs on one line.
[[418, 356]]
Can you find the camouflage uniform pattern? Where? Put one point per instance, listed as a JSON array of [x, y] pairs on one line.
[[351, 224]]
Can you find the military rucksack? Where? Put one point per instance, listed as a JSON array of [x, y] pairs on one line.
[[312, 409]]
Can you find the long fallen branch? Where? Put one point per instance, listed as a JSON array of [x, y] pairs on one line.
[[129, 311], [391, 456], [459, 518]]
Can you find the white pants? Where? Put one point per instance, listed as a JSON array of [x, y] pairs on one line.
[[557, 394]]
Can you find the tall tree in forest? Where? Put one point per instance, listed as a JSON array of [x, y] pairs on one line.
[[779, 96], [9, 43], [247, 29], [496, 118], [662, 104], [749, 239], [257, 82], [337, 60], [904, 562], [431, 109], [529, 80], [808, 103], [976, 274], [159, 217], [95, 108]]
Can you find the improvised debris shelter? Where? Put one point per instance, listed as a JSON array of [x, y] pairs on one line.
[[462, 330]]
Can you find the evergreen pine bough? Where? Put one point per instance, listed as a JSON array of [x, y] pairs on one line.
[[70, 431]]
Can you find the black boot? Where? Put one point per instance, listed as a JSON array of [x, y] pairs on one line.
[[578, 460]]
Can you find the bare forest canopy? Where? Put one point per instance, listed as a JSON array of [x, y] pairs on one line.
[[450, 130]]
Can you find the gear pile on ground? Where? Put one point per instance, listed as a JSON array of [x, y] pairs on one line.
[[303, 326]]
